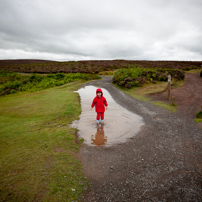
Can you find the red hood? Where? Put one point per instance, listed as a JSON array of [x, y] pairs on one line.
[[99, 90]]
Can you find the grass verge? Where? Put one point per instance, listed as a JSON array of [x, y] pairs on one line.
[[38, 149], [197, 120], [193, 71]]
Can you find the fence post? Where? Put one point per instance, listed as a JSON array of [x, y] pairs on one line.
[[169, 86]]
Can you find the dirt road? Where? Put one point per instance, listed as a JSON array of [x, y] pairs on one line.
[[163, 162]]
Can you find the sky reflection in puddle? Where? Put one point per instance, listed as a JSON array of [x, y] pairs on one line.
[[119, 123]]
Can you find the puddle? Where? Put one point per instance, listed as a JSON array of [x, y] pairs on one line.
[[119, 123]]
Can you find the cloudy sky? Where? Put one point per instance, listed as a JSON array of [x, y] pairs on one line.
[[101, 29]]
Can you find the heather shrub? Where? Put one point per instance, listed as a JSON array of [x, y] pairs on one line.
[[136, 76], [199, 114]]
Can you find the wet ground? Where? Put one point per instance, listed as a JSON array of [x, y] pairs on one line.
[[162, 162], [119, 123]]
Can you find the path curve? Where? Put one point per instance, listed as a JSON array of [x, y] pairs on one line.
[[163, 162]]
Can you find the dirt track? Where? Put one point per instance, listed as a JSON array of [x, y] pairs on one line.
[[163, 162]]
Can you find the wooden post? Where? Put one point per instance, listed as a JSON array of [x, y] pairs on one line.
[[169, 86]]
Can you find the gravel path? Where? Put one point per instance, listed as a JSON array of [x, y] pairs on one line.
[[163, 162]]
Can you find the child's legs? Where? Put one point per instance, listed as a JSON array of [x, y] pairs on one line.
[[102, 116], [98, 115]]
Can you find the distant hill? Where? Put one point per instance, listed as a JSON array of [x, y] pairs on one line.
[[23, 61], [90, 66]]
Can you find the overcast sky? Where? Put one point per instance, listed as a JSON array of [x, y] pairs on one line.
[[101, 29]]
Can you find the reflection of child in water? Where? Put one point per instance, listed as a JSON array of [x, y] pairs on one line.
[[99, 138], [99, 102]]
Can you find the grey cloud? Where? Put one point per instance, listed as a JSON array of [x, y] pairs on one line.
[[95, 29]]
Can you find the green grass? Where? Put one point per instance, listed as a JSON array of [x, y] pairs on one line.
[[38, 148], [197, 120], [192, 71], [165, 105]]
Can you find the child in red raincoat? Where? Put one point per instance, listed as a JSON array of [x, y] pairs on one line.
[[99, 102]]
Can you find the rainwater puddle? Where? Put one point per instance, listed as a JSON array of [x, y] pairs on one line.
[[119, 123]]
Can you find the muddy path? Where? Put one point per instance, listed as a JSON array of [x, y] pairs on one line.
[[162, 162]]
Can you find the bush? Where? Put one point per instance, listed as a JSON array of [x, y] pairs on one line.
[[59, 76], [199, 114], [7, 73], [10, 87], [35, 78], [177, 74], [50, 76], [129, 77], [122, 74]]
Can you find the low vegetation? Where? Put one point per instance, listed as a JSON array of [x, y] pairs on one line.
[[11, 82], [198, 117], [198, 120], [137, 77], [199, 114], [192, 71], [38, 149]]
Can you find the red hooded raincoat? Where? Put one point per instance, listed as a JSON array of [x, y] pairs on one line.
[[99, 102]]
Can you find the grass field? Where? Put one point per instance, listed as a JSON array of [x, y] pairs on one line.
[[38, 149]]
